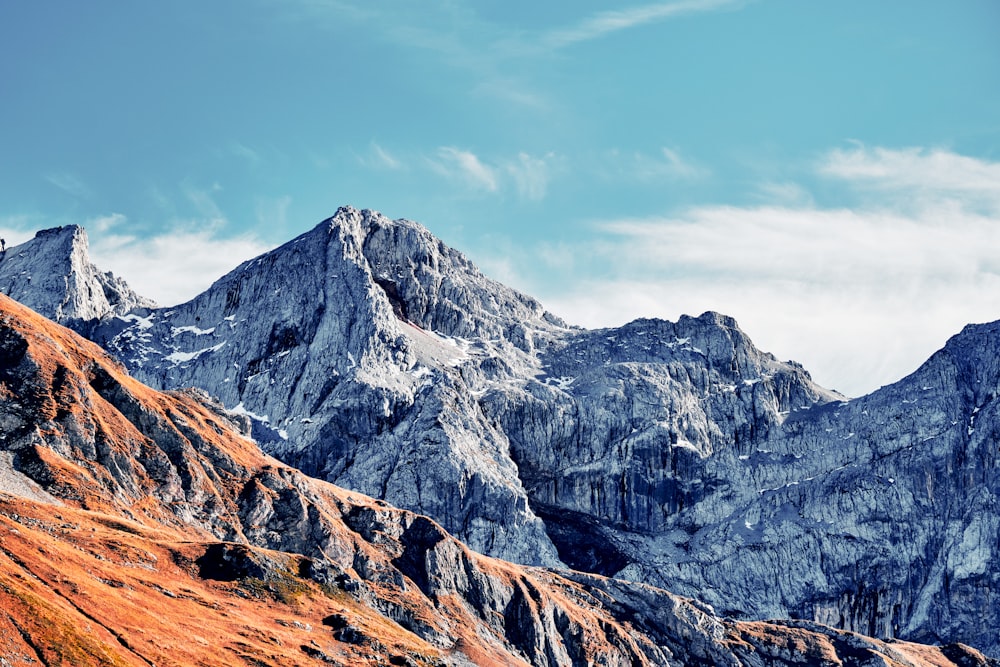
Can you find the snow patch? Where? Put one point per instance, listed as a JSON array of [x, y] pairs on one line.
[[141, 322], [563, 382], [240, 409], [182, 357], [176, 331]]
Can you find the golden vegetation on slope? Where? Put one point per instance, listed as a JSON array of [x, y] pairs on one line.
[[139, 528], [80, 588]]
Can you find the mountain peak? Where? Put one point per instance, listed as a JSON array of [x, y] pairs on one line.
[[369, 353], [52, 274], [127, 513]]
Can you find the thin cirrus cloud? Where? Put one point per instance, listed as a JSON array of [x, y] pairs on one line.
[[380, 158], [666, 165], [249, 155], [465, 167], [860, 295], [528, 176], [937, 173], [203, 201], [604, 23], [69, 183]]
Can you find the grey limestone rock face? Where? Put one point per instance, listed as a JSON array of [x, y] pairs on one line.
[[170, 470], [326, 344], [748, 488], [53, 275], [368, 353]]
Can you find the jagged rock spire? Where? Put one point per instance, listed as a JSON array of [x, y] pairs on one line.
[[52, 274]]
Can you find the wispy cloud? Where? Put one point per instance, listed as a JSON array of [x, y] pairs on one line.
[[530, 174], [921, 172], [513, 91], [667, 164], [604, 23], [785, 193], [246, 153], [861, 296], [272, 213], [203, 200], [69, 183], [378, 157], [105, 223], [465, 167], [463, 39], [527, 175]]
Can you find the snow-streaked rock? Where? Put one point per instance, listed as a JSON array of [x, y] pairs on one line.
[[877, 514], [326, 342], [162, 536], [677, 454], [53, 275]]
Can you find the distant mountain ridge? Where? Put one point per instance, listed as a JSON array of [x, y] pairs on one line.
[[140, 528], [368, 353]]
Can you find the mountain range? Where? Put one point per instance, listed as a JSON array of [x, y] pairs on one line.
[[675, 455]]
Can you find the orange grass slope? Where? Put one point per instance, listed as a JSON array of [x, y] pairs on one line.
[[141, 528]]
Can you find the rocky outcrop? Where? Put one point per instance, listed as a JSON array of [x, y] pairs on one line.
[[370, 354], [740, 484], [374, 356], [324, 344], [163, 526], [52, 274]]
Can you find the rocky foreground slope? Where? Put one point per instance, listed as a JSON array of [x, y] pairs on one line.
[[677, 454], [141, 528]]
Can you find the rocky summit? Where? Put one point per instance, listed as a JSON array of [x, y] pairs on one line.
[[142, 528], [676, 454], [52, 273]]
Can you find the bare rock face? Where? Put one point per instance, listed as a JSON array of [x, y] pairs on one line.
[[747, 489], [52, 274], [154, 501], [368, 353], [323, 344]]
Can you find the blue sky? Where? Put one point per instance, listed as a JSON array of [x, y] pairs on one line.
[[826, 172]]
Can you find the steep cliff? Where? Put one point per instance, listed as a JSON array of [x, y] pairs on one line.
[[370, 354], [52, 273], [140, 528], [327, 351]]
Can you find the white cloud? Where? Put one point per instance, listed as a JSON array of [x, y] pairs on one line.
[[667, 165], [174, 266], [527, 175], [246, 153], [465, 167], [16, 229], [104, 223], [607, 22], [860, 296], [530, 174], [918, 172], [70, 184], [378, 157]]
